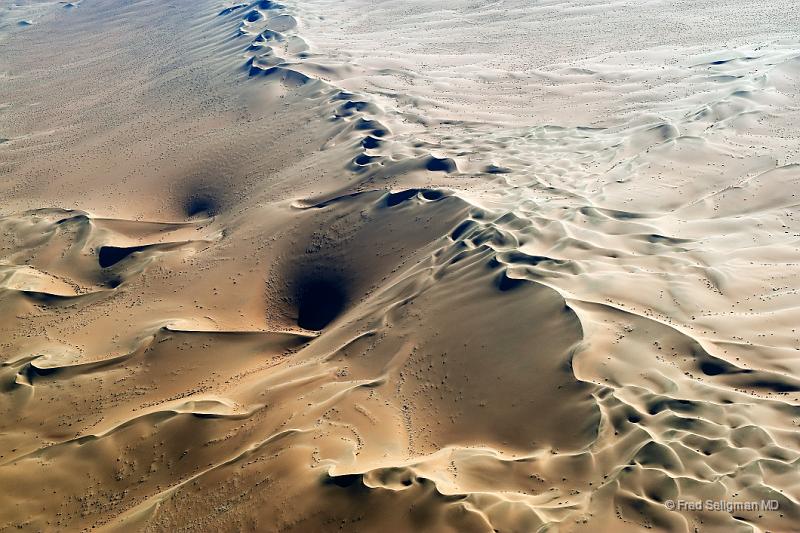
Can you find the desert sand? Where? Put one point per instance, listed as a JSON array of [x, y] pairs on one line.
[[399, 266]]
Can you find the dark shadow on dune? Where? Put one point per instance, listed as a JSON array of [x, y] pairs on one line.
[[434, 164], [344, 481], [364, 159], [495, 169], [370, 142], [253, 16], [375, 128], [229, 10], [111, 255], [678, 406], [505, 283], [319, 301], [463, 229], [396, 198], [201, 205], [773, 385], [711, 368], [432, 195]]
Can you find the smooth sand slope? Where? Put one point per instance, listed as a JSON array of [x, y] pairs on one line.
[[398, 266]]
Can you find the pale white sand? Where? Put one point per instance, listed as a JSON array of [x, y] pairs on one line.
[[398, 266]]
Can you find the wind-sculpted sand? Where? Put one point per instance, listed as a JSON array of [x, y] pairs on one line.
[[410, 266]]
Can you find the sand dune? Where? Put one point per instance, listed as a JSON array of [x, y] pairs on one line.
[[398, 266]]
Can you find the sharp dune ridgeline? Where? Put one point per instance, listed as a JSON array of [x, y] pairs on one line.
[[399, 266]]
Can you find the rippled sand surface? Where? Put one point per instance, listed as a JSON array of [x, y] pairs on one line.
[[399, 266]]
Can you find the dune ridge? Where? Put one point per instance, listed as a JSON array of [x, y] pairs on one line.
[[249, 282]]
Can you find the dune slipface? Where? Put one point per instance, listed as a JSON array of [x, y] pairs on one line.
[[399, 266]]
